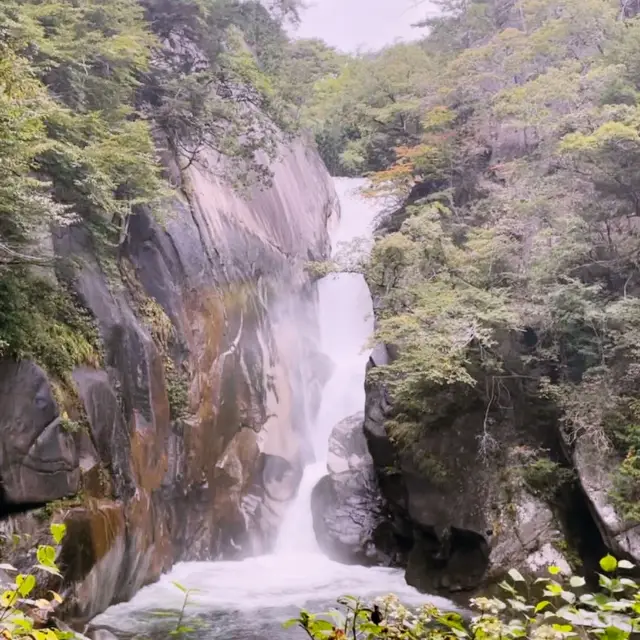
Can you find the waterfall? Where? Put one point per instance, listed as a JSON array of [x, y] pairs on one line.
[[248, 600], [346, 323]]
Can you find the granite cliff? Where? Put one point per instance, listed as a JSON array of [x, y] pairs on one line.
[[187, 440]]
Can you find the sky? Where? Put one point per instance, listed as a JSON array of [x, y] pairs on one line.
[[370, 24]]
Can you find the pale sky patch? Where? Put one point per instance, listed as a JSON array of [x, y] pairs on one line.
[[366, 24]]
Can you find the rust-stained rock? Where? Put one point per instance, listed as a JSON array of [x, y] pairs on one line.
[[196, 424]]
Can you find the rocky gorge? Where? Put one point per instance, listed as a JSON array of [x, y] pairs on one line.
[[192, 434], [208, 390]]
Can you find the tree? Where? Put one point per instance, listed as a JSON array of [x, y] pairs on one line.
[[24, 202], [371, 107]]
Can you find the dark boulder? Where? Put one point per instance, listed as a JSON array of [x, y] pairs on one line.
[[38, 458], [349, 517]]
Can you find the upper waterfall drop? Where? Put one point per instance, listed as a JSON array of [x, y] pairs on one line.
[[346, 324]]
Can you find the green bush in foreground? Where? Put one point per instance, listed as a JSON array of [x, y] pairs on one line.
[[566, 611], [22, 613]]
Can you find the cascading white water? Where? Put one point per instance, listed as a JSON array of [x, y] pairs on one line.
[[346, 323], [250, 599]]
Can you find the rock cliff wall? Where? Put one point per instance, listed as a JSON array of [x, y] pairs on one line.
[[466, 510], [187, 440]]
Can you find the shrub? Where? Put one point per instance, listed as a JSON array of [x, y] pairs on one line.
[[544, 477], [21, 615], [626, 487], [43, 322], [566, 612]]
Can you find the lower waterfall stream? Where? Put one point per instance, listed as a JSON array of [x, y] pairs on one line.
[[249, 599]]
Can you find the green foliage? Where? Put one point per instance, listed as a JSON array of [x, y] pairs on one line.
[[24, 201], [626, 487], [509, 136], [90, 55], [545, 478], [162, 331], [41, 321], [566, 610], [317, 270], [181, 629], [407, 437], [304, 64], [90, 93], [371, 106], [21, 612], [177, 390], [436, 308], [70, 426], [58, 506]]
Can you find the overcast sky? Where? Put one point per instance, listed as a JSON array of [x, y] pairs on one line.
[[371, 24]]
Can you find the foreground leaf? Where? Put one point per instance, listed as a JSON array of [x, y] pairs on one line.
[[608, 563]]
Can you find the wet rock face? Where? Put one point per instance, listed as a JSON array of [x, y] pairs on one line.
[[349, 517], [467, 513], [195, 434]]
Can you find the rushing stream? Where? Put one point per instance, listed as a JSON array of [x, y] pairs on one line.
[[250, 599]]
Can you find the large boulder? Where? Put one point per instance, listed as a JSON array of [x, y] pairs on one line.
[[349, 517], [38, 458]]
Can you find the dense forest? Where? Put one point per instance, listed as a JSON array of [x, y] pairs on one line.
[[508, 138]]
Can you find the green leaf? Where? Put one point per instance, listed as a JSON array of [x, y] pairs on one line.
[[452, 620], [23, 623], [46, 556], [568, 596], [290, 623], [58, 531], [505, 586], [553, 570], [563, 628], [322, 625], [25, 584], [577, 581], [8, 598], [625, 564], [543, 604], [177, 585], [604, 581], [374, 629], [608, 563], [516, 576], [614, 633]]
